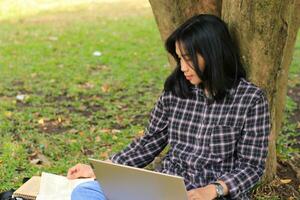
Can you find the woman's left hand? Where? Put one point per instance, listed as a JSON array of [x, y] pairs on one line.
[[203, 193]]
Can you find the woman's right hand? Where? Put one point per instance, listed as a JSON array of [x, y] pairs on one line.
[[81, 171]]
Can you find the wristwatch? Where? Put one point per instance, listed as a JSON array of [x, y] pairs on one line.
[[219, 189]]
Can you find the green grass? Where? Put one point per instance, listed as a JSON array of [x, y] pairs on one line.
[[294, 71], [91, 106]]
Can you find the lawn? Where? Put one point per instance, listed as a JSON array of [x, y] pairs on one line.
[[60, 101], [79, 81]]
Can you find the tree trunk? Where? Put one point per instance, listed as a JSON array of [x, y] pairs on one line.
[[265, 31]]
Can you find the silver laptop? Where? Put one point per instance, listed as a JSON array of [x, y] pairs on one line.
[[120, 182]]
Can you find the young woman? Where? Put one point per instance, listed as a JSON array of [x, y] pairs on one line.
[[215, 122]]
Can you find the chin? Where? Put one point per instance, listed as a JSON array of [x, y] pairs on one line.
[[195, 82]]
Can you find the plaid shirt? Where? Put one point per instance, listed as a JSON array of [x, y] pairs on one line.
[[208, 141]]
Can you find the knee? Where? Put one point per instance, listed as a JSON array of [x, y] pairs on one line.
[[88, 190]]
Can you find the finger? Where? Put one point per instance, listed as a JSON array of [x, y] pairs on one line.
[[72, 172], [74, 175], [73, 169]]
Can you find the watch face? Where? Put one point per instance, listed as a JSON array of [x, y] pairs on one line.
[[219, 189]]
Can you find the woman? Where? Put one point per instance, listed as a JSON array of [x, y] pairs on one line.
[[215, 122]]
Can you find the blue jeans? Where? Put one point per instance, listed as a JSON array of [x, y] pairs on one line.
[[89, 190]]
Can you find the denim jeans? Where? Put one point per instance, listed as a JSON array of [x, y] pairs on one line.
[[88, 191]]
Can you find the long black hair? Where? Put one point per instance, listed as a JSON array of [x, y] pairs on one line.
[[208, 36]]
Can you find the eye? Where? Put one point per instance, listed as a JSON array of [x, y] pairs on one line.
[[187, 59]]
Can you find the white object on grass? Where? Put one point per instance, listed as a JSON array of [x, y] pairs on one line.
[[20, 97], [97, 53]]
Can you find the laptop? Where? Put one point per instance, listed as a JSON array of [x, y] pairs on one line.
[[120, 182]]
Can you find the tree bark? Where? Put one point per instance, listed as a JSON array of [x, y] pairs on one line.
[[265, 31], [169, 14]]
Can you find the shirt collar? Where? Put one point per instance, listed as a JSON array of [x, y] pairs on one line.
[[200, 90]]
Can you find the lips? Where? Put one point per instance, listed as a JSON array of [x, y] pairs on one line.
[[188, 77]]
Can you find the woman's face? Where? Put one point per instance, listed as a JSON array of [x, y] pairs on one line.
[[186, 65]]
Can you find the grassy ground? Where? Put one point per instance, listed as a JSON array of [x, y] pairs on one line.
[[75, 105], [60, 104]]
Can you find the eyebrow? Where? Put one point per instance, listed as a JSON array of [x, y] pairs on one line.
[[183, 55]]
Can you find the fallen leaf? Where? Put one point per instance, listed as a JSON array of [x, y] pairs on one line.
[[115, 131], [106, 130], [119, 119], [298, 125], [105, 88], [8, 114], [41, 121], [36, 161], [44, 159], [73, 131], [82, 108], [86, 151], [285, 181], [20, 169], [140, 133], [37, 114], [73, 141], [104, 155], [98, 139], [93, 129], [87, 85], [81, 133], [38, 158], [66, 122]]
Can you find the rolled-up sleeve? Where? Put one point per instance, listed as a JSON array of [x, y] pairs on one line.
[[143, 150], [252, 150]]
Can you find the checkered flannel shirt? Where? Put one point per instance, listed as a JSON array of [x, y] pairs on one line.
[[225, 141]]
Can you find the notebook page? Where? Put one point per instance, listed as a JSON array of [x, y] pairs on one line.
[[57, 187]]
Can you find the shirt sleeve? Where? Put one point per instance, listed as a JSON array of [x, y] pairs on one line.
[[142, 151], [252, 150]]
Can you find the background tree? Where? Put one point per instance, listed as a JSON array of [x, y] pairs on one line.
[[265, 32]]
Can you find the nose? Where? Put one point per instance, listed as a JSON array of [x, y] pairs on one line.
[[183, 66]]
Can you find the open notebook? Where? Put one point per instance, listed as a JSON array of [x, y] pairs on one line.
[[48, 187]]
